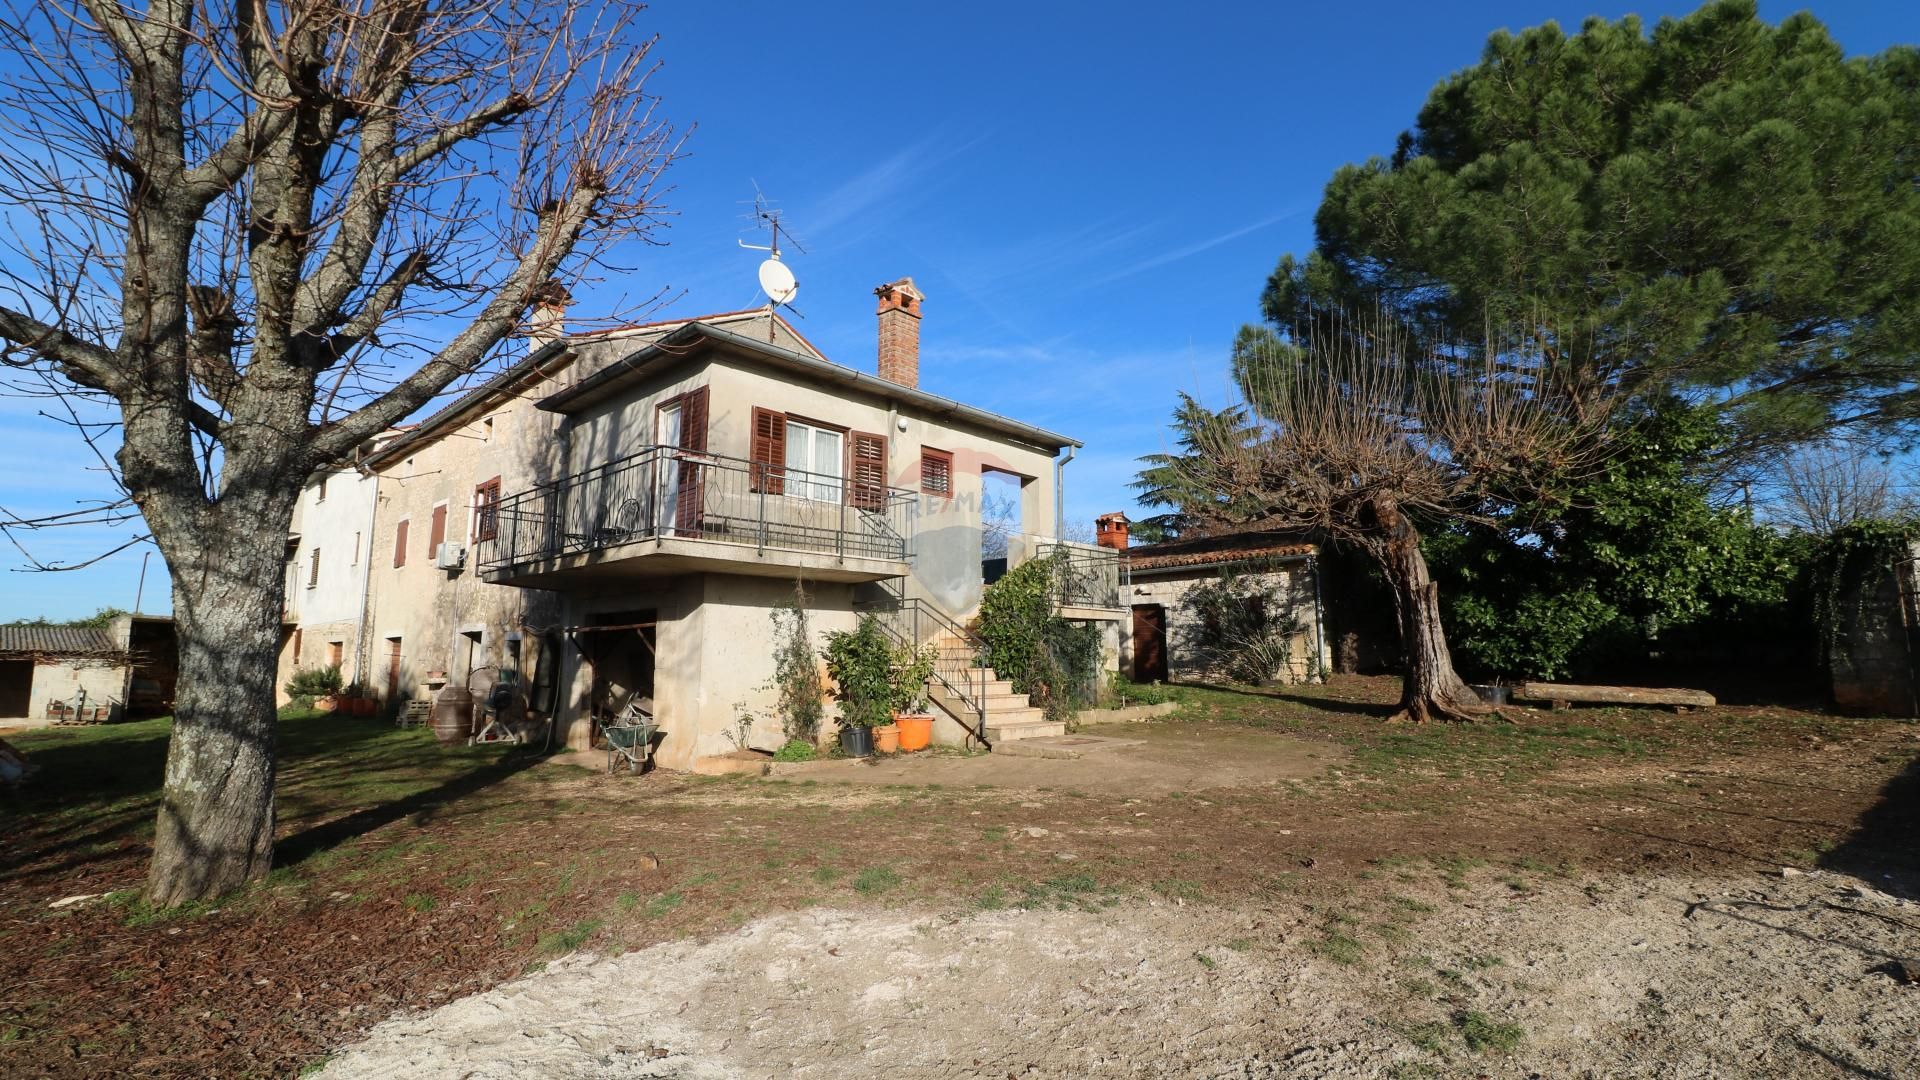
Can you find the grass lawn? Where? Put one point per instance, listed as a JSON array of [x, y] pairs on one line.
[[409, 873]]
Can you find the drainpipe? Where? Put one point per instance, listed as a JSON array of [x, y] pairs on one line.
[[1060, 495], [361, 655], [1319, 621]]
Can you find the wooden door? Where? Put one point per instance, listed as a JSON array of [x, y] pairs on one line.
[[1149, 643], [393, 669]]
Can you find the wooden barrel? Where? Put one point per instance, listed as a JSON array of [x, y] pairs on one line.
[[453, 715]]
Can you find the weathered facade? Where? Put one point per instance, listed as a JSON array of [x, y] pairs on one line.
[[617, 516], [328, 559], [55, 674], [1169, 638]]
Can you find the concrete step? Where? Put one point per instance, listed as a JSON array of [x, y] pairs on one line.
[[998, 733], [1000, 701], [1014, 716]]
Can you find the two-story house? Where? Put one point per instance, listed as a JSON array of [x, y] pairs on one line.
[[619, 514]]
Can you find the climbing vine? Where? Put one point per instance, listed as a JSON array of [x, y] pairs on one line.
[[1846, 567]]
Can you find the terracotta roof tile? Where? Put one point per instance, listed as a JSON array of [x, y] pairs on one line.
[[57, 640], [1219, 548]]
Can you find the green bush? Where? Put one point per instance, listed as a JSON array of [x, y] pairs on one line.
[[796, 750], [309, 684], [1050, 659], [860, 662]]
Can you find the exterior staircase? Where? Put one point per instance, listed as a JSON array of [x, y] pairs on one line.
[[1009, 717]]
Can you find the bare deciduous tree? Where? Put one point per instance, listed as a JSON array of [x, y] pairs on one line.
[[1357, 434], [263, 232], [1822, 488]]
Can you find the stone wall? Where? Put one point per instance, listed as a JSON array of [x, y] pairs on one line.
[[1873, 662]]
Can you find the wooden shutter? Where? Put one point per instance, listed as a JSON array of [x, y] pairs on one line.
[[867, 470], [486, 510], [437, 532], [693, 439], [769, 451], [936, 472], [400, 543]]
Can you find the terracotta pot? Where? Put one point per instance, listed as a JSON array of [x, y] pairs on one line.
[[326, 704], [887, 739], [365, 706], [916, 731]]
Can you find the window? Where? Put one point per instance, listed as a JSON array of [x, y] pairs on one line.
[[936, 472], [815, 456], [320, 496], [486, 430], [356, 550], [335, 650], [437, 531], [296, 650], [313, 568], [486, 510], [400, 544]]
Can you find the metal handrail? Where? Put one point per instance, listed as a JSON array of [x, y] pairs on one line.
[[965, 678], [1087, 577], [668, 492]]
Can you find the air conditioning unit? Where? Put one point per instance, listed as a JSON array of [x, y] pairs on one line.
[[451, 556]]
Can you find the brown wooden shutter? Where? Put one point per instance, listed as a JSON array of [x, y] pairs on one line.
[[867, 471], [936, 472], [486, 510], [400, 543], [437, 532], [693, 420], [691, 500], [769, 451]]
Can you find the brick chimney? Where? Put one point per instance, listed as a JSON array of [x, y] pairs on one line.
[[547, 321], [900, 332], [1110, 531]]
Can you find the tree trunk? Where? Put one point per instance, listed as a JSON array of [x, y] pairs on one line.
[[1430, 688], [216, 825]]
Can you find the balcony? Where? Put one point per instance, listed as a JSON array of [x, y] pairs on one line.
[[1090, 582], [666, 511]]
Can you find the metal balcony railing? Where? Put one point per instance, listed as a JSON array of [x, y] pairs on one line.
[[668, 493], [1086, 577]]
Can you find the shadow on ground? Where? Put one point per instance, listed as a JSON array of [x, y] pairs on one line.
[[1884, 847]]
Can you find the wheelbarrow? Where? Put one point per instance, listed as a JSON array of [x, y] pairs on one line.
[[630, 739]]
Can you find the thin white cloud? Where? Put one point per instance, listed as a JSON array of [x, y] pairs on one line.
[[1192, 249], [879, 184]]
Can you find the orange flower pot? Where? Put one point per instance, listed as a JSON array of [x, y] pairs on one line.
[[886, 740], [916, 731]]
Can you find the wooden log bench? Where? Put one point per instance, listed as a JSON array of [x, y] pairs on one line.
[[1567, 695]]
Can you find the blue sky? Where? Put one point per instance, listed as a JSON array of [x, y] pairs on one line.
[[1090, 195]]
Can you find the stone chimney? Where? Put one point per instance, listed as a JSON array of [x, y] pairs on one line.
[[1110, 531], [900, 332]]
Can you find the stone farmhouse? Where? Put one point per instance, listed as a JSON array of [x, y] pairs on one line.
[[616, 516]]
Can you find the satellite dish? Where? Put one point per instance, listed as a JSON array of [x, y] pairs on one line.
[[777, 281]]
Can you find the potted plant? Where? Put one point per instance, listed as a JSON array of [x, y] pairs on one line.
[[356, 700], [312, 688], [912, 668], [860, 662]]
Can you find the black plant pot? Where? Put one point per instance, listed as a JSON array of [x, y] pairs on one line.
[[856, 741]]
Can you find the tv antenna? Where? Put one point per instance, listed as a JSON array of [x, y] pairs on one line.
[[776, 278]]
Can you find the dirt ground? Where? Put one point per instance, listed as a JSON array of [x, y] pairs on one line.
[[1126, 759], [1665, 977], [1498, 900]]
